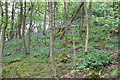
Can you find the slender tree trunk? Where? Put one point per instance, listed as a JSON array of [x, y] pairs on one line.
[[74, 15], [51, 40], [12, 24], [29, 36], [1, 47], [6, 24], [54, 11], [68, 12], [56, 18], [74, 47], [65, 21], [3, 32], [71, 19], [88, 15], [23, 30], [82, 20], [20, 23], [1, 16], [44, 29]]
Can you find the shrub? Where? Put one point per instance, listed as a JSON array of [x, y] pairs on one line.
[[95, 60]]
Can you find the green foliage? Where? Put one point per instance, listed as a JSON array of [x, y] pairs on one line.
[[15, 58], [63, 58], [95, 60], [114, 73]]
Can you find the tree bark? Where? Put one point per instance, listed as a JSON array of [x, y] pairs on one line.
[[51, 40]]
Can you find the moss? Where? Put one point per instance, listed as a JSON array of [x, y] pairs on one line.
[[26, 68]]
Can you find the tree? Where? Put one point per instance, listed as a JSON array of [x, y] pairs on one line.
[[71, 20], [3, 32], [12, 24], [74, 47], [23, 29], [82, 20], [21, 19], [29, 30], [5, 27], [88, 15], [1, 40], [44, 29], [65, 22], [1, 15], [56, 14], [51, 39]]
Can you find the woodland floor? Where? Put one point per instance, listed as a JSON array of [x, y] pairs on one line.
[[37, 64]]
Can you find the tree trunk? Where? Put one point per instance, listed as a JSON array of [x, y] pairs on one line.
[[56, 18], [1, 15], [44, 29], [74, 47], [68, 11], [6, 24], [71, 19], [65, 22], [4, 31], [1, 42], [29, 42], [88, 15], [12, 24], [23, 30], [20, 23], [51, 40], [82, 20]]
